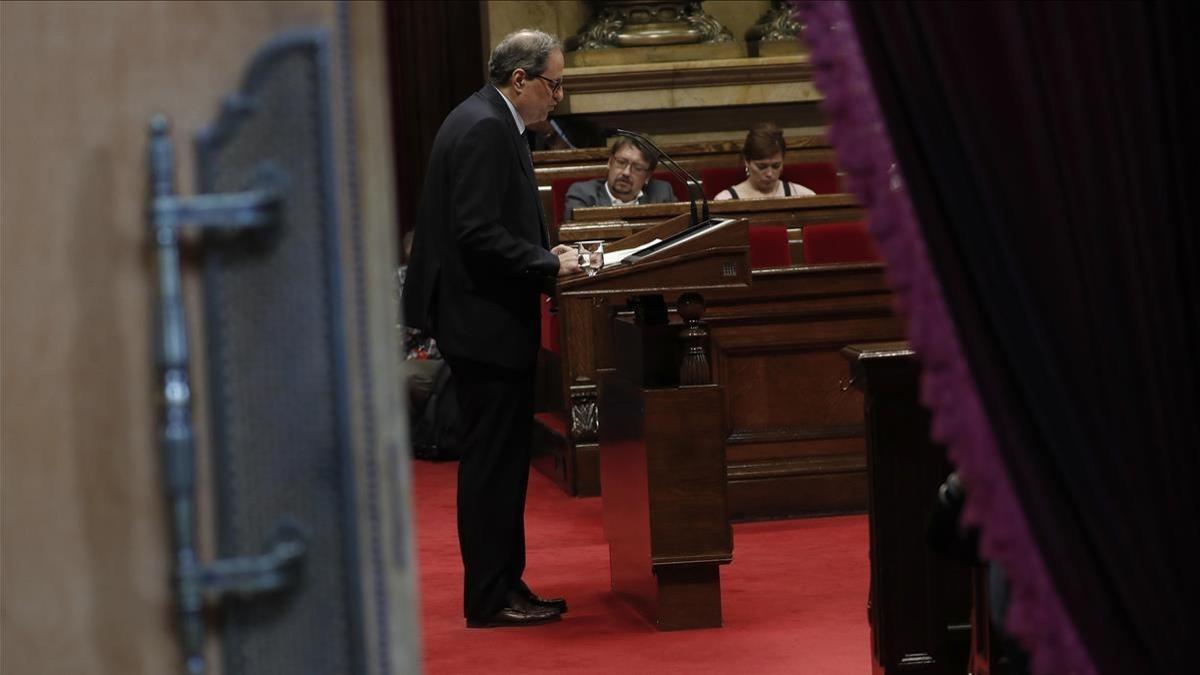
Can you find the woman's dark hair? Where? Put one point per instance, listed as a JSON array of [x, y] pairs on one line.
[[763, 141]]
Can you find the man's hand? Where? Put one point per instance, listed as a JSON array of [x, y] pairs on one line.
[[568, 259]]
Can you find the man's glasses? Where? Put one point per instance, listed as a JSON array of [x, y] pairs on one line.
[[555, 85], [621, 164]]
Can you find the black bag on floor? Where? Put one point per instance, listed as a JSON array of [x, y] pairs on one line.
[[435, 431]]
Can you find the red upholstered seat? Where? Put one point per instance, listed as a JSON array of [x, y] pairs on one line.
[[838, 243], [550, 335], [677, 186], [717, 178], [558, 192], [820, 177], [769, 247]]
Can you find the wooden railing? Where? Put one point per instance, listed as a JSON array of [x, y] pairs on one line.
[[613, 223]]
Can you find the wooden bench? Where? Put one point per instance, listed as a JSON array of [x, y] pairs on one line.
[[581, 163], [555, 169]]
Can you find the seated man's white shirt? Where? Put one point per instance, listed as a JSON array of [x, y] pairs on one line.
[[618, 202]]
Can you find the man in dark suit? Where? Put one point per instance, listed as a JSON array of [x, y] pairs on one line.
[[629, 167], [479, 264]]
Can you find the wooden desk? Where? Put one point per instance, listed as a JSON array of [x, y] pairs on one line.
[[612, 223], [590, 163], [602, 222], [795, 443], [920, 601], [819, 208]]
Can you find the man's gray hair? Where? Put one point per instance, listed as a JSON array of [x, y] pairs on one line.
[[528, 49]]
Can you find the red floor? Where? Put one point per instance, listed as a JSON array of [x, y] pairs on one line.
[[794, 598]]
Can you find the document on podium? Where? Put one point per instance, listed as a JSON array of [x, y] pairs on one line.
[[617, 256], [678, 238]]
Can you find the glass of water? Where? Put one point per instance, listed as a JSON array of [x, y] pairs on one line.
[[591, 256]]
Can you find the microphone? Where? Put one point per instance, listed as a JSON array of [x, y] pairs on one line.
[[695, 191], [561, 134]]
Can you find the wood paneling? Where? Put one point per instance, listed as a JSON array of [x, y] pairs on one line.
[[764, 374], [796, 443], [667, 124]]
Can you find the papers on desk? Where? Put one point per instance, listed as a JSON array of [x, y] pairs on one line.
[[617, 256], [698, 230]]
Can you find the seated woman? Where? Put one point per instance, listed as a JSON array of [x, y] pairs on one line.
[[763, 155]]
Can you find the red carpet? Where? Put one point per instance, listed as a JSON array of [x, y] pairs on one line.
[[794, 597]]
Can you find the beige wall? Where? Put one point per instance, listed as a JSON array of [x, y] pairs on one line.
[[503, 17], [737, 15], [84, 541], [566, 17]]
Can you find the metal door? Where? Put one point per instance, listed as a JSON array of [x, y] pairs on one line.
[[313, 574]]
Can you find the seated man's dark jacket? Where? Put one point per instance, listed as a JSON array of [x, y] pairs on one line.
[[480, 256], [592, 193]]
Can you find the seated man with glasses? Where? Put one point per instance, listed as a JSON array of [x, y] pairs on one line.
[[629, 167]]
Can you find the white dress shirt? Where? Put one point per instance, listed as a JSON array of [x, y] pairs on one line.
[[618, 202], [513, 109]]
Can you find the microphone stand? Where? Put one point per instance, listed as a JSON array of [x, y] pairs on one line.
[[693, 184]]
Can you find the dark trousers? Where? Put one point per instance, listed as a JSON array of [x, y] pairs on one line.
[[497, 423]]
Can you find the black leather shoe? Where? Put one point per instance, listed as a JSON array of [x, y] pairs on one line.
[[511, 617], [557, 604]]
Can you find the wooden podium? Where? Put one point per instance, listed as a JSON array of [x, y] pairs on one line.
[[795, 445], [920, 605], [719, 260], [662, 429]]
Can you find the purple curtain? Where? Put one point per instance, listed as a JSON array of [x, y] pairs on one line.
[[1026, 171]]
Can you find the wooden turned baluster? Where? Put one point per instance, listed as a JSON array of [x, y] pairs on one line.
[[694, 368]]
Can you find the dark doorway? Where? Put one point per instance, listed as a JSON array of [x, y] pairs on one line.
[[436, 59]]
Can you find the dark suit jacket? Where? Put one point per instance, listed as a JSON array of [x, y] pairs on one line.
[[480, 254], [592, 193]]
